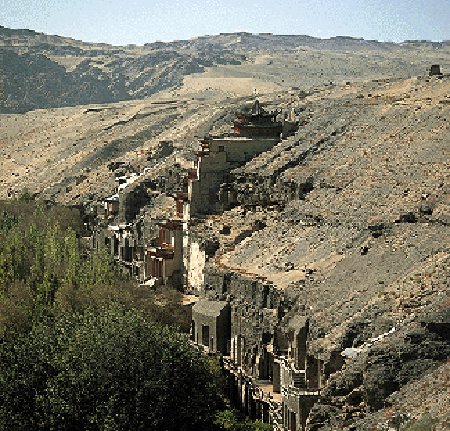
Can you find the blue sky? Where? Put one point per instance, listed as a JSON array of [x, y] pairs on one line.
[[141, 21]]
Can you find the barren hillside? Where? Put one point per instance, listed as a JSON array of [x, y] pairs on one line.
[[64, 153], [44, 71], [363, 249]]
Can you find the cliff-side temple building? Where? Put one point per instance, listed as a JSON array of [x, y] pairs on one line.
[[240, 318], [211, 325], [160, 253], [255, 122], [164, 262], [255, 130]]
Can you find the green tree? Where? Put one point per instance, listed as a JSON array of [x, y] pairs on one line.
[[40, 251], [73, 260], [232, 420], [105, 370]]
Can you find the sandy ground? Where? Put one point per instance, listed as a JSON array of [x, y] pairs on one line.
[[233, 86]]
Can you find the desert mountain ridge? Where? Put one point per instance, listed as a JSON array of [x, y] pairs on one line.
[[23, 33], [44, 71]]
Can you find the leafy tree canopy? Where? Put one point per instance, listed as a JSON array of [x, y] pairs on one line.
[[107, 369], [46, 268]]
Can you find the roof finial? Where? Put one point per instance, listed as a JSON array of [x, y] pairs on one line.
[[256, 110]]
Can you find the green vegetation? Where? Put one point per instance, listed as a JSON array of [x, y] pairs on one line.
[[234, 421], [46, 270], [84, 348], [39, 255], [107, 369]]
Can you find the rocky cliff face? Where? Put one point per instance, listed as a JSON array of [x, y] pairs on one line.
[[356, 242]]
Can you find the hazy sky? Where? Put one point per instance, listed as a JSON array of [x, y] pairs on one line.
[[140, 21]]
